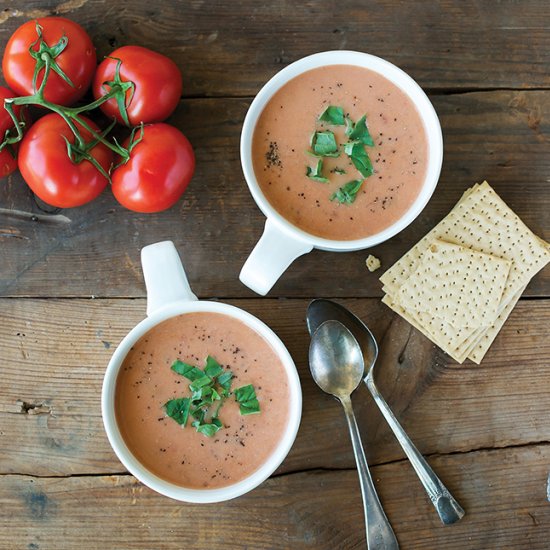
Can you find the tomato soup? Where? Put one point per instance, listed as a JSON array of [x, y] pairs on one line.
[[398, 155], [181, 455]]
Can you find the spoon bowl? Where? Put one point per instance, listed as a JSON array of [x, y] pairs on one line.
[[322, 310], [335, 359]]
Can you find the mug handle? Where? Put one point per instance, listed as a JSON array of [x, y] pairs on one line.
[[273, 253], [164, 276]]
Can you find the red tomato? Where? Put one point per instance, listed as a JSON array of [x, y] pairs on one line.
[[51, 174], [158, 172], [157, 81], [8, 155], [77, 60]]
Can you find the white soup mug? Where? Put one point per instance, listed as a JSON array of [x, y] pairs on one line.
[[283, 242], [169, 295]]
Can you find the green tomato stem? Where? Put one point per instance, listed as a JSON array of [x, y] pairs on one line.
[[70, 115], [67, 113], [48, 65], [116, 149]]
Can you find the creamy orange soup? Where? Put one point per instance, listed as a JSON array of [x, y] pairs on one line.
[[179, 454], [399, 155]]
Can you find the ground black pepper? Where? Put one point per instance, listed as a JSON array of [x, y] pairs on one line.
[[272, 155]]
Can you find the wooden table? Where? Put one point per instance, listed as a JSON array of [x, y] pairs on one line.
[[71, 287]]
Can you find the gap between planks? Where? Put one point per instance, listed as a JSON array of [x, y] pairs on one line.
[[478, 450], [428, 90]]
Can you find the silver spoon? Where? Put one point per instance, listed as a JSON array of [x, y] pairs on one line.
[[337, 366], [319, 311]]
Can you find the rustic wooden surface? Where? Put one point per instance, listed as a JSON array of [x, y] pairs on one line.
[[71, 287]]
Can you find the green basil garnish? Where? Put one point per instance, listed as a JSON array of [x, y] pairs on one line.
[[208, 386], [333, 115], [316, 173], [206, 429], [249, 407], [324, 144], [189, 371], [178, 409], [224, 380], [347, 193], [360, 158], [213, 368], [200, 382], [360, 132], [248, 402]]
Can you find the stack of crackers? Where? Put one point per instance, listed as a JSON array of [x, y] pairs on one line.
[[461, 281]]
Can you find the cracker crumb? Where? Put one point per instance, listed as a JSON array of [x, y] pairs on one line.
[[373, 263]]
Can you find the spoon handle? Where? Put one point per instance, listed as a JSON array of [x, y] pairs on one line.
[[447, 507], [380, 535]]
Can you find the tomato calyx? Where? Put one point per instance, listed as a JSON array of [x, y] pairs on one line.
[[118, 88], [45, 58], [132, 142]]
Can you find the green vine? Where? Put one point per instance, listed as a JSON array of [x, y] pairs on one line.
[[45, 60]]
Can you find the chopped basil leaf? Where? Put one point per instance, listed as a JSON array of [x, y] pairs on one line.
[[200, 382], [189, 371], [249, 407], [215, 396], [246, 397], [201, 393], [333, 115], [178, 409], [347, 193], [198, 413], [348, 147], [316, 173], [207, 429], [213, 368], [360, 132], [217, 422], [360, 158], [245, 393], [224, 380], [339, 170], [324, 144]]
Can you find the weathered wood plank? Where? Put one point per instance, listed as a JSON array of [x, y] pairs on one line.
[[498, 136], [55, 353], [503, 492], [232, 48]]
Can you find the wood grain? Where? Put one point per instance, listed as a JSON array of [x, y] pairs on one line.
[[232, 48], [55, 353], [503, 492], [498, 136]]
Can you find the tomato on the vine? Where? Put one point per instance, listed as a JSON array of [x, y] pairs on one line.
[[157, 80], [158, 170], [8, 155], [77, 60], [49, 171]]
